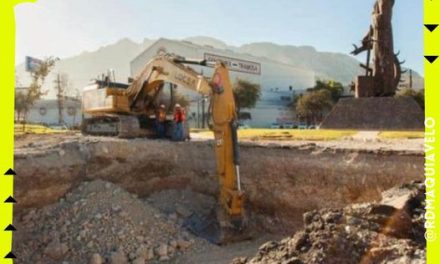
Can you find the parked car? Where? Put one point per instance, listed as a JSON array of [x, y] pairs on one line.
[[275, 126], [302, 126], [243, 126], [288, 125]]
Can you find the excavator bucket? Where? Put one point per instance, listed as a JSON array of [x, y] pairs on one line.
[[205, 227], [215, 228]]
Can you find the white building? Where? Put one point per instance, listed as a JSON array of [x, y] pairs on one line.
[[45, 111], [278, 80]]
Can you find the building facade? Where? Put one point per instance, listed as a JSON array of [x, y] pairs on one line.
[[46, 111], [278, 81]]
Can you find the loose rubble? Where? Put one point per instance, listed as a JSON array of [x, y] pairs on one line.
[[391, 231], [178, 205], [100, 223]]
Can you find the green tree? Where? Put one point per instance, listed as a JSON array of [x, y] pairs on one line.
[[19, 98], [20, 104], [246, 94], [295, 100], [313, 104], [34, 92], [335, 88], [418, 96], [63, 89]]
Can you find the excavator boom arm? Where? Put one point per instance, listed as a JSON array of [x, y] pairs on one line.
[[165, 69], [168, 69]]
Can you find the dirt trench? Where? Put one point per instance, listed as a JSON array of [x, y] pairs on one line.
[[281, 182]]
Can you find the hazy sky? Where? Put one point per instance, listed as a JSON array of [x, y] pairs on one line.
[[65, 28]]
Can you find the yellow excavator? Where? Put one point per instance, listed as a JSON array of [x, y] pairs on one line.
[[129, 110]]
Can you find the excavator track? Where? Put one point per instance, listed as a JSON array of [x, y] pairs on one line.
[[122, 126]]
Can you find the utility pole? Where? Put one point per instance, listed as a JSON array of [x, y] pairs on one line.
[[410, 79], [60, 98], [198, 113], [203, 112]]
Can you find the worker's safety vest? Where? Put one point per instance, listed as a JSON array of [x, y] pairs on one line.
[[179, 116], [161, 116]]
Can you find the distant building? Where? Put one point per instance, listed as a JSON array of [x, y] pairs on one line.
[[45, 111], [278, 80]]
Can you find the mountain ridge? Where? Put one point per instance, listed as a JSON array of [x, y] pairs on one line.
[[89, 64]]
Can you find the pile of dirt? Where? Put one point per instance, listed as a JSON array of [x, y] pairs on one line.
[[100, 223], [391, 231]]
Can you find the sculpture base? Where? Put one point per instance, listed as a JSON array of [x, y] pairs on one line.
[[375, 113], [365, 87]]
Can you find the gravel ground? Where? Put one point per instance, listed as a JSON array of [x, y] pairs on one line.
[[101, 223], [355, 142]]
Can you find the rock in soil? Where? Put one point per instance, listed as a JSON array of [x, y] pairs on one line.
[[99, 222], [388, 232]]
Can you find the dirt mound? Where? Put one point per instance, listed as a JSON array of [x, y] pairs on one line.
[[100, 223], [391, 231]]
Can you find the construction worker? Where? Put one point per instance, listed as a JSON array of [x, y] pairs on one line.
[[161, 116], [179, 118]]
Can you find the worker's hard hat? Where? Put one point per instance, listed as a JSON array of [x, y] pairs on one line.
[[162, 106], [177, 105]]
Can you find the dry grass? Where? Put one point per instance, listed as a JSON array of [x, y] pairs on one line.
[[35, 129], [401, 134], [285, 134]]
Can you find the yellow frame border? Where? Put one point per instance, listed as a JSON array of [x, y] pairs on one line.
[[432, 113], [7, 79], [7, 88]]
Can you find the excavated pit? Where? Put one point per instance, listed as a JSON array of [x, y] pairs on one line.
[[281, 181], [104, 200]]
